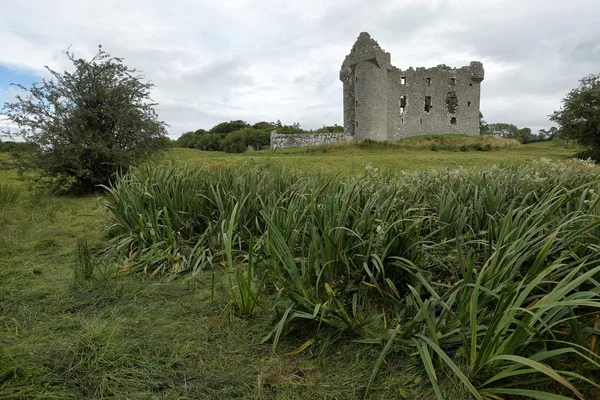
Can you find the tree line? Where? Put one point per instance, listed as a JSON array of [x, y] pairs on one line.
[[238, 136], [511, 131]]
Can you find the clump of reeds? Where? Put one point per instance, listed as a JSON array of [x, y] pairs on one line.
[[489, 275]]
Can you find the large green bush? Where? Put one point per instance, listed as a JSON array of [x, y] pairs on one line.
[[222, 138], [579, 116], [87, 125]]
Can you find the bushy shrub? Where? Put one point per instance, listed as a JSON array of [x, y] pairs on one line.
[[239, 141], [87, 125], [589, 154], [476, 146]]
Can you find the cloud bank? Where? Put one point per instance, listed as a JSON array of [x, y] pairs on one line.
[[213, 61]]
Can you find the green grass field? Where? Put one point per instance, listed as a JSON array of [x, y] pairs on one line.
[[125, 336], [352, 159]]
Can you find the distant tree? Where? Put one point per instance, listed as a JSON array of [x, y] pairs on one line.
[[88, 124], [501, 129], [330, 129], [549, 134], [525, 136], [483, 126], [290, 129], [579, 116]]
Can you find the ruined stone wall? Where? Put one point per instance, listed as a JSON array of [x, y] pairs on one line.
[[286, 141], [437, 100]]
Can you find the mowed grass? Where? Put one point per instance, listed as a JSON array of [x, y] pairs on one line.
[[128, 337], [352, 159]]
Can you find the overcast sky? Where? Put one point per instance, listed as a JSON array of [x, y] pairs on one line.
[[214, 61]]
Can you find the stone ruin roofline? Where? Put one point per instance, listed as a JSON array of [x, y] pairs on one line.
[[425, 69], [364, 38]]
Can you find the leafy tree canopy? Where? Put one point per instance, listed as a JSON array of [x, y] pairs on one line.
[[579, 116], [502, 129], [483, 126], [231, 126], [88, 124], [264, 125]]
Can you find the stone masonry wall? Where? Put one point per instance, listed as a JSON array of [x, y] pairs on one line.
[[435, 100], [286, 141]]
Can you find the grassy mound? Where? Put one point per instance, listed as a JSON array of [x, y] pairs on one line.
[[458, 142], [425, 142]]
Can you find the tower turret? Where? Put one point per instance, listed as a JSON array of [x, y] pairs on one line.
[[365, 77], [477, 71]]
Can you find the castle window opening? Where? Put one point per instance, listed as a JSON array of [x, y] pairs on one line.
[[421, 120], [453, 120], [470, 84], [453, 81], [357, 103], [403, 80], [468, 104], [427, 103], [428, 81], [357, 124], [451, 102], [357, 79], [402, 119]]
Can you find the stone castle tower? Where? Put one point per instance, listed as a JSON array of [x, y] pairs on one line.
[[382, 102]]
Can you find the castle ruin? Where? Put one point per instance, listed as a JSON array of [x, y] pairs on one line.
[[383, 102]]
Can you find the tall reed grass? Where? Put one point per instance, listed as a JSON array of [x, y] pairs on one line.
[[488, 275]]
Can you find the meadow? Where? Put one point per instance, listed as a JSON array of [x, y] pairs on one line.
[[407, 155], [413, 270]]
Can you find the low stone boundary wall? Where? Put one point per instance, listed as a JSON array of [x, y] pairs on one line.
[[283, 141]]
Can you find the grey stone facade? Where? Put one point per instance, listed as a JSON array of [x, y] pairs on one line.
[[283, 141], [383, 102]]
